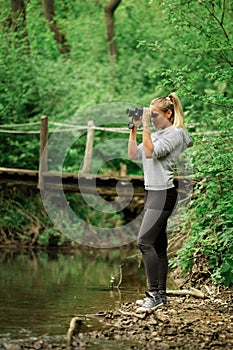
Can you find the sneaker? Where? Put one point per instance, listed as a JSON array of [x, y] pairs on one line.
[[152, 302], [162, 294], [141, 301]]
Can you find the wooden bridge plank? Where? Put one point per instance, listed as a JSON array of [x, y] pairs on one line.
[[69, 182], [86, 183]]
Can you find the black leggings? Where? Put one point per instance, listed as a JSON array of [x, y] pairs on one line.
[[152, 237]]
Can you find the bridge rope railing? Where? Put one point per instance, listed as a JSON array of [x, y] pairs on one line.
[[72, 127], [66, 128]]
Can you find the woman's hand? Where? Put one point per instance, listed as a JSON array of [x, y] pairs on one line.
[[137, 122], [146, 117]]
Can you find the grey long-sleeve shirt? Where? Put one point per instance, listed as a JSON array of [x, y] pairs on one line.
[[168, 144]]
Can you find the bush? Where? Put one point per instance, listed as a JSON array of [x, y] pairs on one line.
[[210, 215]]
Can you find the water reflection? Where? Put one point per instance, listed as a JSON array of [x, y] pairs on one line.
[[41, 291]]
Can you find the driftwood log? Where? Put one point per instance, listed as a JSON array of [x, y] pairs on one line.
[[192, 291], [73, 330], [182, 292]]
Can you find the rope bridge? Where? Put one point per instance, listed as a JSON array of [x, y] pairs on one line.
[[70, 182]]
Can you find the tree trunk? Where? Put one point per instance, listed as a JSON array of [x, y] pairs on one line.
[[109, 10], [18, 11], [59, 37], [16, 22], [17, 18]]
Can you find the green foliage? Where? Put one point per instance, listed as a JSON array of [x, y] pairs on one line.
[[24, 221], [210, 215], [200, 65], [95, 216], [20, 151]]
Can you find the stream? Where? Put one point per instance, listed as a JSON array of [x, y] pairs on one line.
[[40, 291]]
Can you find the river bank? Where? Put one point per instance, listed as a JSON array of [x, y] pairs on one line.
[[186, 322]]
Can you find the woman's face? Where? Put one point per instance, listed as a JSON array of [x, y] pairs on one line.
[[162, 119]]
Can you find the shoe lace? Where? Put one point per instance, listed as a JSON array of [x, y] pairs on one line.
[[147, 302]]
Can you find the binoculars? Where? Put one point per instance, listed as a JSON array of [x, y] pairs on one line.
[[136, 115]]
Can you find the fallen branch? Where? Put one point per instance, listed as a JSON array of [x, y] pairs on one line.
[[192, 291], [142, 315], [73, 330]]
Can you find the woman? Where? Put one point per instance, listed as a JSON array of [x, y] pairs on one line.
[[158, 152]]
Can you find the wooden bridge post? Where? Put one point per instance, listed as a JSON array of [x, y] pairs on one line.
[[43, 161], [89, 147]]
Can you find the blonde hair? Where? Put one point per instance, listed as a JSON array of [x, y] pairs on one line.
[[173, 103]]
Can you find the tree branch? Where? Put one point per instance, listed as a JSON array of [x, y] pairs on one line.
[[109, 10], [50, 16]]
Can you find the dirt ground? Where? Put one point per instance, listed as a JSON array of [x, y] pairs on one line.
[[186, 322]]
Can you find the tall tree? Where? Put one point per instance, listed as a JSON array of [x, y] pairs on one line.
[[109, 10], [18, 14], [58, 35], [16, 20]]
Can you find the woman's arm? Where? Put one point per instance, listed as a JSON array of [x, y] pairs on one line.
[[148, 145], [146, 135], [132, 144]]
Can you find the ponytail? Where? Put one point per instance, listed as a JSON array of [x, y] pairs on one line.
[[178, 111]]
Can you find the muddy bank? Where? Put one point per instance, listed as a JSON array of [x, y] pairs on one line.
[[185, 322]]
